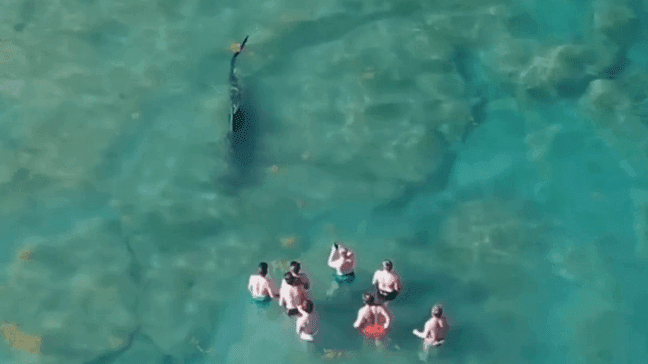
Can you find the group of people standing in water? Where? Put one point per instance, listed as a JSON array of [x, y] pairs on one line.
[[374, 319]]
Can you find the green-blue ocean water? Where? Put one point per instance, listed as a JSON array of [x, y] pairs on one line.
[[531, 231]]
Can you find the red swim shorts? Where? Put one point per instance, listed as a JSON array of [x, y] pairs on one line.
[[374, 332]]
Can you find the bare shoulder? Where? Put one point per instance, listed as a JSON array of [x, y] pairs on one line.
[[429, 323]]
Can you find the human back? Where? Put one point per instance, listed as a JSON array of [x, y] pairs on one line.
[[342, 260], [347, 262], [438, 327], [387, 281], [260, 285], [380, 316], [291, 294], [372, 314]]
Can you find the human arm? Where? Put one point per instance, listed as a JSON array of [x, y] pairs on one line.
[[426, 330], [270, 289], [301, 323], [441, 331], [360, 319], [305, 281], [275, 291], [332, 257], [303, 297], [385, 314], [250, 285], [419, 333]]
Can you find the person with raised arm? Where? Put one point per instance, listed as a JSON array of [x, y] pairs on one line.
[[343, 261]]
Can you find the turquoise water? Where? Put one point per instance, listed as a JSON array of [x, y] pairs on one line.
[[495, 151]]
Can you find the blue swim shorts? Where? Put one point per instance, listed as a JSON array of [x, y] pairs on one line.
[[345, 278], [262, 302]]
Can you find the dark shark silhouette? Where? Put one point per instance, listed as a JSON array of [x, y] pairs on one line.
[[236, 119], [243, 134]]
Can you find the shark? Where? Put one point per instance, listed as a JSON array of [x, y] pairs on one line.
[[236, 95]]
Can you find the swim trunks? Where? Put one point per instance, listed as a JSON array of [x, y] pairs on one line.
[[292, 312], [374, 332], [386, 296], [345, 278], [435, 344], [306, 337], [262, 302]]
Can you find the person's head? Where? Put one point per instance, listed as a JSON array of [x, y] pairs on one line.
[[368, 299], [308, 306], [263, 268], [343, 251], [295, 267], [437, 310], [289, 278], [387, 265]]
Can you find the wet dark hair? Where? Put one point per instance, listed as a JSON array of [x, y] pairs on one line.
[[388, 264], [309, 306], [290, 279], [294, 265], [368, 298], [263, 268]]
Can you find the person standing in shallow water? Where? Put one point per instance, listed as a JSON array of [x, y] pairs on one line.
[[295, 270], [262, 287], [387, 282], [343, 261], [307, 321], [373, 320], [291, 295], [433, 333]]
